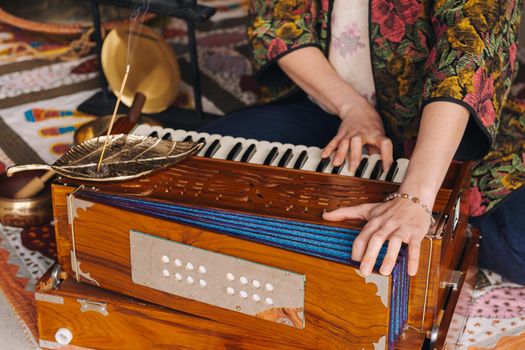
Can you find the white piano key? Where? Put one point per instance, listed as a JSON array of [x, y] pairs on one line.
[[279, 153], [314, 157], [236, 141], [209, 141], [296, 152], [402, 166], [141, 130], [176, 135], [192, 134], [384, 173], [227, 143], [284, 148], [245, 146], [263, 148], [372, 160], [365, 156]]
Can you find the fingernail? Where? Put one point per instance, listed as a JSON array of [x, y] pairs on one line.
[[365, 269]]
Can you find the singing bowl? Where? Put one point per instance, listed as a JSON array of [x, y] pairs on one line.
[[154, 68], [60, 17], [34, 211]]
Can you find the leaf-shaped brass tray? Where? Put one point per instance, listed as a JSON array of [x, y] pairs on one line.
[[126, 157]]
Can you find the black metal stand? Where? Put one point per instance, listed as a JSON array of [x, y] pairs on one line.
[[97, 25], [103, 103]]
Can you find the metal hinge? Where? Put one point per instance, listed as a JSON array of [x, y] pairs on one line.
[[87, 305], [453, 280], [54, 299]]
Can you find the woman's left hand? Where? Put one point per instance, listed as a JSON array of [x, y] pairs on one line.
[[397, 221]]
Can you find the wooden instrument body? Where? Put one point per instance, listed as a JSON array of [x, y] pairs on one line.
[[128, 323], [102, 245]]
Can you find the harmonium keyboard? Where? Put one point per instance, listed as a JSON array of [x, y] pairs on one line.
[[233, 241]]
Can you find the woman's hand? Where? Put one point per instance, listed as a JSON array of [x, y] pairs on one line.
[[397, 221], [361, 125]]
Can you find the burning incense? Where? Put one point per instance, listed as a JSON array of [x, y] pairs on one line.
[[113, 117]]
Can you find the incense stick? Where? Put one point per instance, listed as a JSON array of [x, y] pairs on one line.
[[113, 117]]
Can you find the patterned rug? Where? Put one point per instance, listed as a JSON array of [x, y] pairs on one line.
[[38, 117]]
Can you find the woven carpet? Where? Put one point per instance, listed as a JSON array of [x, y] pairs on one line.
[[28, 87]]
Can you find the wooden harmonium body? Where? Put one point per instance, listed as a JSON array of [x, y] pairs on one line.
[[244, 245], [78, 314]]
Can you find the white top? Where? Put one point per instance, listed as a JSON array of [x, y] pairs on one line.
[[349, 51]]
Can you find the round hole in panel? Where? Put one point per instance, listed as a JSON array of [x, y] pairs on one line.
[[190, 280], [165, 259], [269, 301], [165, 273], [230, 276], [178, 276], [243, 280], [189, 266], [202, 269], [256, 283], [256, 298], [203, 283], [178, 262], [243, 294], [269, 287], [230, 291]]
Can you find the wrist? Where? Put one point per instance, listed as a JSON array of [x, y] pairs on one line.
[[350, 102], [426, 194]]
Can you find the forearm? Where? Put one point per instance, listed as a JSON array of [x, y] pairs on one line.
[[442, 127], [312, 72]]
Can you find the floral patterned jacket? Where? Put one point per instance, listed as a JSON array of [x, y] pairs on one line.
[[463, 51]]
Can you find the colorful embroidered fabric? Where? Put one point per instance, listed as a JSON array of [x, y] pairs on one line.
[[422, 51]]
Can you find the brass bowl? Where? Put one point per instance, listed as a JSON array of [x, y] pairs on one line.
[[34, 211]]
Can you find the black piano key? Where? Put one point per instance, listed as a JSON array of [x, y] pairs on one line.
[[361, 168], [202, 140], [285, 159], [154, 134], [391, 172], [188, 139], [167, 136], [299, 163], [214, 147], [248, 154], [323, 164], [377, 171], [337, 169], [271, 156], [234, 151]]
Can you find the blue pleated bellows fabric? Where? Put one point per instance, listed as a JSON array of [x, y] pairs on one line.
[[322, 241]]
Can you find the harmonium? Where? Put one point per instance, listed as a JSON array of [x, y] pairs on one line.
[[227, 249]]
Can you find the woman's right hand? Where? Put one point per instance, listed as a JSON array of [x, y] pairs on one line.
[[361, 125]]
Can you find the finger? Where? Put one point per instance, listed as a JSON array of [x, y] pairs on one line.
[[356, 152], [355, 212], [332, 145], [386, 149], [394, 245], [359, 245], [341, 153], [372, 250], [413, 257]]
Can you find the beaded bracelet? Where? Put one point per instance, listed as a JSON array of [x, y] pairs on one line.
[[413, 199]]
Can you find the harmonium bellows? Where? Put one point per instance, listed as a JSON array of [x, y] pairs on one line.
[[241, 242]]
